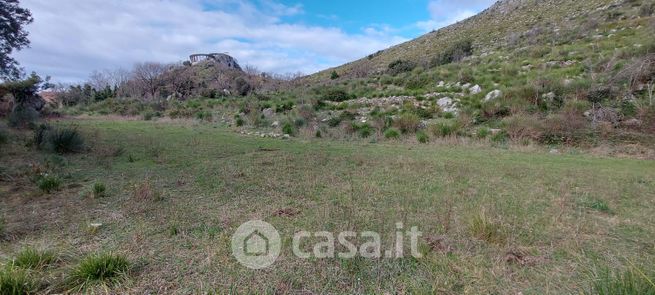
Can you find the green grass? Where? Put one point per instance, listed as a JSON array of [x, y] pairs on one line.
[[15, 282], [631, 282], [48, 183], [31, 258], [99, 270], [210, 180]]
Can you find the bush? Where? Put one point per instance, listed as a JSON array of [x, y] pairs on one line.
[[99, 190], [48, 183], [336, 95], [444, 129], [23, 117], [65, 141], [239, 121], [98, 269], [148, 115], [456, 52], [15, 281], [40, 136], [422, 137], [364, 130], [401, 66], [4, 137], [334, 75], [391, 133], [31, 258], [289, 128], [483, 132], [407, 122]]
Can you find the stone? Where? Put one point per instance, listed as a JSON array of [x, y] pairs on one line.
[[495, 131], [493, 95], [631, 123], [286, 136], [268, 113], [275, 124], [475, 89], [554, 152], [549, 96], [441, 84]]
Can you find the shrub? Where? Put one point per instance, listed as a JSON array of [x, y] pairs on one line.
[[401, 66], [48, 183], [521, 127], [364, 130], [99, 190], [289, 128], [23, 117], [40, 136], [239, 121], [483, 132], [4, 137], [456, 52], [242, 86], [14, 281], [98, 269], [31, 258], [65, 141], [318, 134], [483, 228], [422, 137], [391, 133], [336, 95], [444, 129], [334, 75], [148, 115], [407, 122]]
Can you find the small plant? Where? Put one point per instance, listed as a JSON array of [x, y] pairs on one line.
[[31, 258], [598, 205], [318, 134], [407, 122], [65, 141], [444, 129], [483, 132], [99, 269], [334, 75], [239, 121], [147, 191], [422, 137], [391, 133], [148, 115], [483, 228], [14, 281], [99, 190], [289, 128], [48, 183]]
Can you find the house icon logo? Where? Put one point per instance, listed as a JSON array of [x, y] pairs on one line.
[[256, 244]]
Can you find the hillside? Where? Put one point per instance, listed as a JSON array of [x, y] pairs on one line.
[[507, 25]]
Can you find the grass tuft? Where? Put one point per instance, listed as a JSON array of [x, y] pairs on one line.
[[484, 228], [15, 281], [630, 282], [99, 190], [31, 258], [99, 269], [48, 183], [392, 133]]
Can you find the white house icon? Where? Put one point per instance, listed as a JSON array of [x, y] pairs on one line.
[[256, 244]]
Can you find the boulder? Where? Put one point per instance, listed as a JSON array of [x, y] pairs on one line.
[[475, 89], [493, 95], [268, 113]]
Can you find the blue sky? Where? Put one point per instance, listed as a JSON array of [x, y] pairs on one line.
[[72, 38]]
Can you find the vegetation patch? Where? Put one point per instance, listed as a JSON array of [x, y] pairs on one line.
[[105, 270]]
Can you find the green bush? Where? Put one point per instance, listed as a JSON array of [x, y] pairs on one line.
[[31, 258], [364, 130], [334, 75], [422, 137], [99, 190], [239, 121], [4, 136], [65, 141], [444, 129], [48, 183], [401, 66], [148, 115], [14, 281], [336, 95], [23, 117], [456, 52], [407, 122], [483, 132], [98, 269], [391, 133], [289, 128]]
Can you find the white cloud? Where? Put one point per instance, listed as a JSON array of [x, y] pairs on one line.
[[71, 38], [447, 12]]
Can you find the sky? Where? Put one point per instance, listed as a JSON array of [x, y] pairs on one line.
[[72, 38]]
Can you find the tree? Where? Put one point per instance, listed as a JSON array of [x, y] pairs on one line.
[[149, 77], [13, 36]]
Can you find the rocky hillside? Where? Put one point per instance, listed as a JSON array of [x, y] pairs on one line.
[[507, 25]]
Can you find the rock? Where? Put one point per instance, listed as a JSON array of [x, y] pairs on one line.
[[448, 105], [549, 96], [268, 113], [554, 152], [286, 136], [441, 84], [631, 123], [495, 131], [275, 124], [443, 102], [476, 89], [493, 95]]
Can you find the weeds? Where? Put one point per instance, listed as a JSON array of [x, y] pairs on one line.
[[99, 190], [484, 228], [48, 183], [633, 281], [99, 269], [14, 281], [31, 258], [391, 133]]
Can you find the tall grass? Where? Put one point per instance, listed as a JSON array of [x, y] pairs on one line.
[[98, 270]]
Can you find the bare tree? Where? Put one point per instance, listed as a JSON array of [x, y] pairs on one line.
[[148, 75]]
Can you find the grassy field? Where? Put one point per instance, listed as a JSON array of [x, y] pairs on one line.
[[493, 220]]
